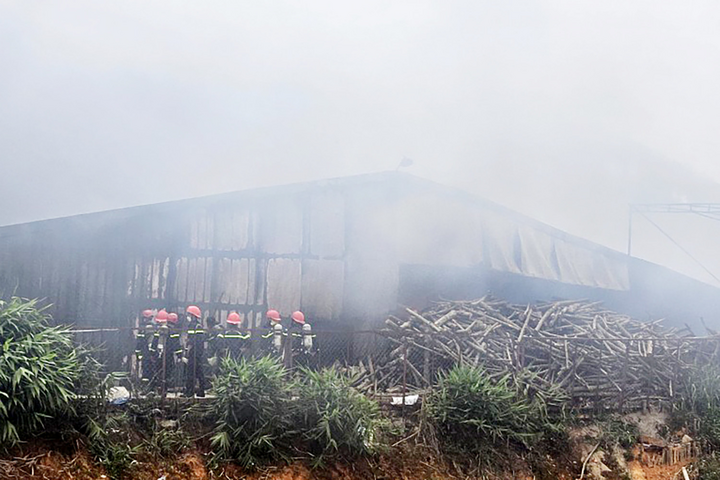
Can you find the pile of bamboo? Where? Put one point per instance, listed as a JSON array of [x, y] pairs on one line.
[[590, 353]]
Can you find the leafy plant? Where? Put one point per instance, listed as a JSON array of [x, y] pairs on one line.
[[700, 389], [165, 442], [111, 444], [708, 467], [698, 406], [38, 369], [250, 411], [472, 411], [334, 417], [616, 431]]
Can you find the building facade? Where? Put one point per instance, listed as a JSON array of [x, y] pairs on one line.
[[347, 252]]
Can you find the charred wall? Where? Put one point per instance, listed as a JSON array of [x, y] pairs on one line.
[[346, 252]]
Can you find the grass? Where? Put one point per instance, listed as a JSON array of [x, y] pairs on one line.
[[334, 418], [473, 412], [250, 411], [39, 367]]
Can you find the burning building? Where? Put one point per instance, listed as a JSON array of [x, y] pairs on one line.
[[345, 251]]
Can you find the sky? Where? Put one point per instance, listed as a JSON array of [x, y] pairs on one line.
[[564, 110]]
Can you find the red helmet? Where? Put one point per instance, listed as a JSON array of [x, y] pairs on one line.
[[172, 317], [298, 317], [273, 315], [233, 318], [162, 316], [194, 311], [147, 313]]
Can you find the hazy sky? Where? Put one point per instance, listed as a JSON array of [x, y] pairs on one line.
[[564, 110]]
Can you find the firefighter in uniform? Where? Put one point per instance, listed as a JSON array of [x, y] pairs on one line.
[[142, 352], [194, 358], [271, 341], [174, 351], [157, 348], [214, 344], [235, 342], [299, 342]]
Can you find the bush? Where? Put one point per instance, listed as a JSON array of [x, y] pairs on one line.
[[471, 411], [38, 369], [700, 390], [250, 411], [165, 442], [616, 431], [709, 427], [111, 444], [708, 468], [335, 417], [698, 408]]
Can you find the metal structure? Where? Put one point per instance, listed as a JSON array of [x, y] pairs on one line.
[[707, 210]]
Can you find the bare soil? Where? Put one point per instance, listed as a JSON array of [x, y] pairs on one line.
[[44, 462]]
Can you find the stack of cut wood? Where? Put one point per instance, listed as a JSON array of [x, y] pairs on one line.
[[590, 353]]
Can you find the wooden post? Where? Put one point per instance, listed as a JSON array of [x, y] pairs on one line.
[[676, 371], [163, 392], [574, 370], [404, 377], [624, 385]]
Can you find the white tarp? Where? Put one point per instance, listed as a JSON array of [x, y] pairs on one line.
[[500, 238], [582, 266], [536, 254], [525, 250]]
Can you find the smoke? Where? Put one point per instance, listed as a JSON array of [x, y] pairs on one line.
[[562, 110]]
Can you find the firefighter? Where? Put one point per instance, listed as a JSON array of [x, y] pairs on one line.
[[194, 357], [142, 351], [299, 341], [157, 348], [214, 344], [235, 342], [174, 351], [271, 341]]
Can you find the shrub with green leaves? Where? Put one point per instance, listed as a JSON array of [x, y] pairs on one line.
[[165, 442], [250, 411], [334, 417], [616, 431], [472, 411], [38, 369], [111, 443], [698, 405], [708, 467]]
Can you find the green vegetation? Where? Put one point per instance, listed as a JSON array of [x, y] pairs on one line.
[[165, 442], [39, 368], [473, 412], [261, 415], [110, 443], [616, 431], [251, 411], [708, 468], [698, 408], [333, 417]]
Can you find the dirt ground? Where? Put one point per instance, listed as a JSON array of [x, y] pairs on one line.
[[52, 461], [43, 463], [642, 472]]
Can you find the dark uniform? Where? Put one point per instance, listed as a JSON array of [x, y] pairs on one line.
[[173, 353], [299, 349], [265, 343], [195, 355], [149, 367], [214, 343], [142, 351], [235, 343]]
